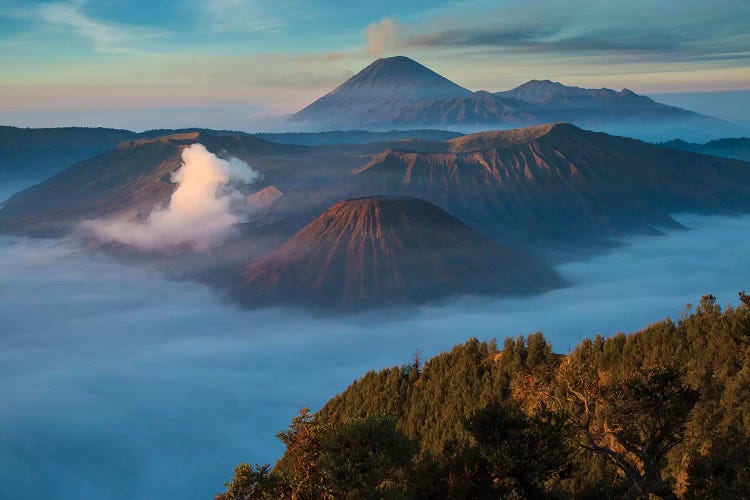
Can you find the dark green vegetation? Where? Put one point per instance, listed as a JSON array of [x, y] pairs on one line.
[[661, 413]]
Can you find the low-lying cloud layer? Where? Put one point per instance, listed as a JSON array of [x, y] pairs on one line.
[[117, 383], [201, 213]]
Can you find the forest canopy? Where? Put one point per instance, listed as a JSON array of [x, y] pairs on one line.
[[660, 413]]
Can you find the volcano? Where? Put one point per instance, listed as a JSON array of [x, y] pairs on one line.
[[558, 183], [377, 251], [398, 92], [374, 94]]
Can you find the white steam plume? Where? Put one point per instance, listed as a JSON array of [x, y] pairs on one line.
[[200, 213], [381, 36]]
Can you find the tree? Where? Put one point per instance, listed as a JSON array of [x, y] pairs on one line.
[[745, 309], [634, 422], [300, 466], [252, 483], [631, 417], [359, 458], [722, 470], [522, 453], [367, 458]]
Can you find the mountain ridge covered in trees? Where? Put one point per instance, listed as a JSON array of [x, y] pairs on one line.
[[660, 413]]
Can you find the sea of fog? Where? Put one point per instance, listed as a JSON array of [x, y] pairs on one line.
[[117, 383]]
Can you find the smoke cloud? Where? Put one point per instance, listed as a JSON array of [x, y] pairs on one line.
[[201, 213], [381, 36]]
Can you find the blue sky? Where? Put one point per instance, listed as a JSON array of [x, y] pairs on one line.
[[264, 58]]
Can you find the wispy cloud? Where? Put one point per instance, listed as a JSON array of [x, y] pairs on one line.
[[696, 30], [239, 15], [104, 36]]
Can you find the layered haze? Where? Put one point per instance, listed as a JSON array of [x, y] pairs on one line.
[[229, 210], [120, 384]]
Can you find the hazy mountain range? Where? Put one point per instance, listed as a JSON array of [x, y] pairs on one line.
[[353, 219], [400, 92], [729, 148], [494, 195], [37, 153], [558, 183]]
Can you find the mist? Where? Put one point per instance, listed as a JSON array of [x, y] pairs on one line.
[[202, 212], [118, 383], [730, 105], [235, 115]]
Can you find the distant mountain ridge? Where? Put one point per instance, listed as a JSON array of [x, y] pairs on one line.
[[554, 183], [135, 175], [400, 92], [382, 88], [738, 148], [416, 209], [539, 186], [34, 154], [548, 93], [335, 137]]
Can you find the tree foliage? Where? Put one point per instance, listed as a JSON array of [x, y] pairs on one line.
[[521, 452], [660, 413]]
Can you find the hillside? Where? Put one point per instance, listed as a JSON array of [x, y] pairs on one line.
[[380, 89], [552, 97], [663, 412], [556, 183], [473, 110], [542, 186], [31, 155], [136, 176], [371, 252]]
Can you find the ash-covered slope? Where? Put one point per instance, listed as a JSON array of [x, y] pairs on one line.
[[617, 112], [38, 153], [136, 176], [550, 95], [476, 109], [557, 182], [132, 176], [540, 186], [377, 251], [371, 96]]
